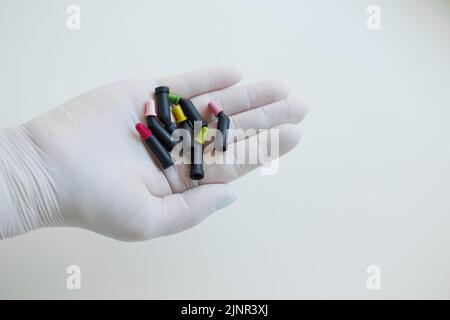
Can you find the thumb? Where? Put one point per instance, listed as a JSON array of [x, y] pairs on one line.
[[184, 210]]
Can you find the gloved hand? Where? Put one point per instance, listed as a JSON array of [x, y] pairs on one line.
[[83, 165]]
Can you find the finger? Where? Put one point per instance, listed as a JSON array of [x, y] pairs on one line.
[[198, 82], [239, 153], [290, 110], [182, 211], [242, 98]]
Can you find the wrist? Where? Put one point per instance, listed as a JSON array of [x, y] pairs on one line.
[[28, 198]]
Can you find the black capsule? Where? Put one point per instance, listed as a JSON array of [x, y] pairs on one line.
[[155, 146], [191, 111], [162, 103], [223, 124], [162, 134], [196, 172], [156, 127]]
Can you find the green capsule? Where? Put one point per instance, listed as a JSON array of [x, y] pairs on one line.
[[174, 99]]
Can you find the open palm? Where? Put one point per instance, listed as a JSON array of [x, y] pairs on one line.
[[107, 182]]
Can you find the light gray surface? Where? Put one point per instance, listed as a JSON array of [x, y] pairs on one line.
[[369, 183]]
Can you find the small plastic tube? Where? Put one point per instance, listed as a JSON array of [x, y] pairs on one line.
[[223, 124], [196, 172], [183, 123], [201, 135], [155, 146], [196, 149], [191, 111], [162, 102], [174, 99], [194, 116], [155, 126]]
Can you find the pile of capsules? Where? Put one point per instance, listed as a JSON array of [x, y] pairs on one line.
[[160, 128]]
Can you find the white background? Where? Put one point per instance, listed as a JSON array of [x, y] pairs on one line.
[[369, 183]]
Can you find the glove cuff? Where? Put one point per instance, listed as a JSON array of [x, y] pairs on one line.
[[28, 198]]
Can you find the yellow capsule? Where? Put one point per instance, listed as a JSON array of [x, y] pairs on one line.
[[178, 113], [201, 136]]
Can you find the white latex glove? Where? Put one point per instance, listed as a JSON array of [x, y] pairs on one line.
[[83, 165]]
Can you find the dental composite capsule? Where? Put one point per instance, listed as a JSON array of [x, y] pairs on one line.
[[157, 129], [196, 172], [183, 123], [162, 103], [192, 114], [196, 149], [155, 146], [223, 124]]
